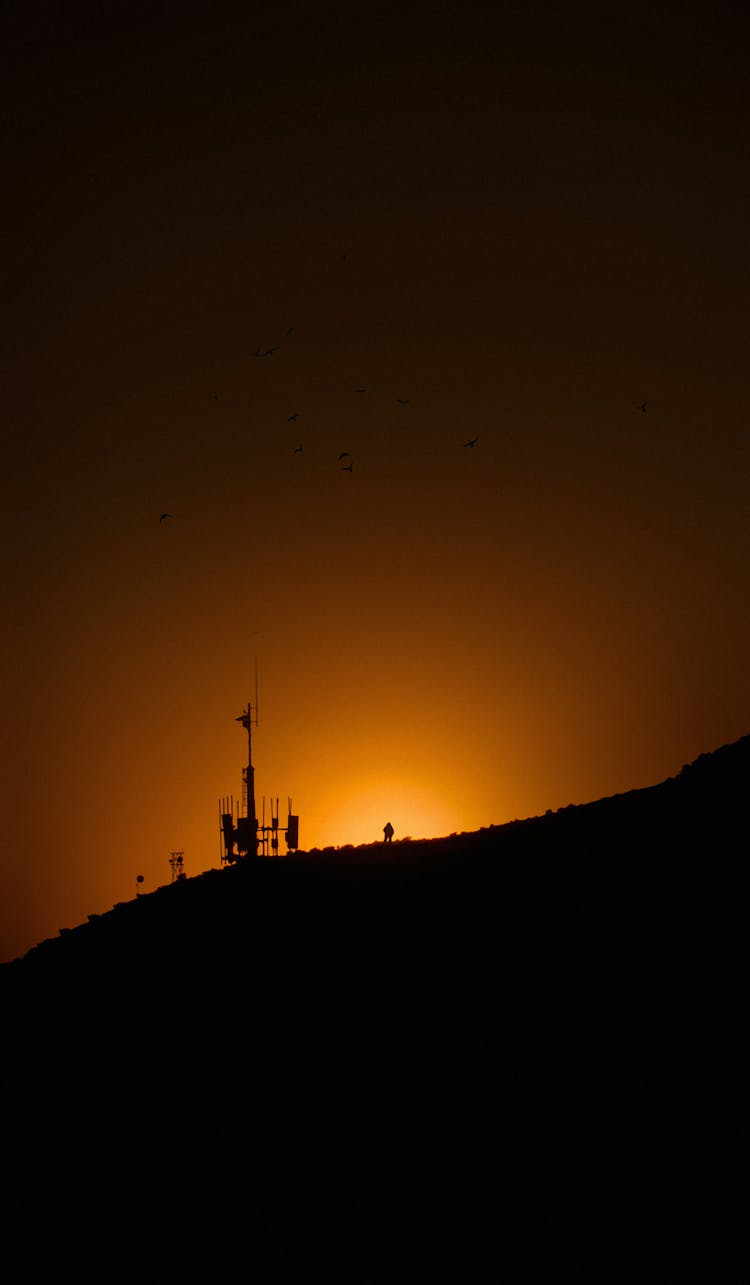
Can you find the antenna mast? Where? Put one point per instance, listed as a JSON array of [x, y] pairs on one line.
[[249, 719], [243, 832]]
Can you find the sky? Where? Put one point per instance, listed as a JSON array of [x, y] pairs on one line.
[[509, 222]]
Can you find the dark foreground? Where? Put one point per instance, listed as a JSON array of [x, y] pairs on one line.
[[512, 1055]]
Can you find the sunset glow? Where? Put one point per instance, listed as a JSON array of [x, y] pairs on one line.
[[414, 810], [455, 249]]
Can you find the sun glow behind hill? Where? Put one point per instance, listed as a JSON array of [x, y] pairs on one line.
[[448, 638], [414, 810]]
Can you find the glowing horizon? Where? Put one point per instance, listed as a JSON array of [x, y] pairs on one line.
[[221, 251]]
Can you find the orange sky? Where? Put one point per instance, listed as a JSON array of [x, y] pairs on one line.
[[525, 224]]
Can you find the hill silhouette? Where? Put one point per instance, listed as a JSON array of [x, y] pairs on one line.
[[517, 1050]]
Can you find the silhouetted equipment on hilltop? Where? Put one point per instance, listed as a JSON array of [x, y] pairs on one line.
[[242, 835], [563, 991]]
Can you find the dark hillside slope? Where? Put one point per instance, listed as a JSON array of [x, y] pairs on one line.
[[417, 1056], [673, 839]]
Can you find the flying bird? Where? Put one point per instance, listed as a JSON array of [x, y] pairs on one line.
[[298, 449], [344, 455], [473, 442], [293, 417], [642, 407], [165, 515], [360, 390], [346, 468], [403, 401]]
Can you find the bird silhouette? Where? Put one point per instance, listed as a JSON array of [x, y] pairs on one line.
[[298, 449], [473, 442], [346, 468], [270, 351], [360, 390], [344, 455], [403, 401], [165, 515], [293, 417], [642, 407]]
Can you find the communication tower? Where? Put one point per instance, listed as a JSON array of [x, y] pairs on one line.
[[242, 836]]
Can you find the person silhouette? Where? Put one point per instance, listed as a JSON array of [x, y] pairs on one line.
[[388, 831]]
